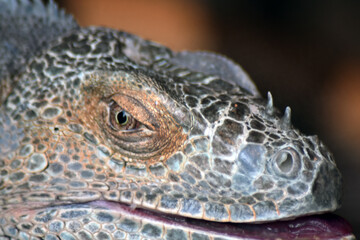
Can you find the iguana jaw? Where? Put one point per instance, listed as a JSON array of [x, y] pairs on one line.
[[323, 226]]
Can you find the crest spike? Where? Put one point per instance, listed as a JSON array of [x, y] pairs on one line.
[[270, 103], [285, 121]]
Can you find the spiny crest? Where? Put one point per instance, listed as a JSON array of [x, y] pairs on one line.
[[270, 104], [285, 121]]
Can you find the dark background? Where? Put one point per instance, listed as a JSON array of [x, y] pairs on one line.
[[307, 53]]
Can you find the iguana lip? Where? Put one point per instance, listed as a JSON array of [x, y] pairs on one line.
[[324, 226]]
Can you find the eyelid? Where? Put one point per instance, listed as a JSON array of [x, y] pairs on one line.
[[136, 109]]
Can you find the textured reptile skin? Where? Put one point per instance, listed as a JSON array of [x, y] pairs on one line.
[[101, 117]]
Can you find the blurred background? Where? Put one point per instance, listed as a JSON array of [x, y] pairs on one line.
[[307, 53]]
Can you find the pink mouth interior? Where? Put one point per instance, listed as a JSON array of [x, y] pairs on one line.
[[323, 226]]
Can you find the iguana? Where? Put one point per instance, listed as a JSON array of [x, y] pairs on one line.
[[105, 135]]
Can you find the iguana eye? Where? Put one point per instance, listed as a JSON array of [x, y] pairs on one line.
[[134, 122], [119, 119]]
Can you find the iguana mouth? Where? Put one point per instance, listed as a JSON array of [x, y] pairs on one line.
[[323, 226]]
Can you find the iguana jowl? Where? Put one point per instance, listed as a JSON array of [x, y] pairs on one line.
[[106, 135]]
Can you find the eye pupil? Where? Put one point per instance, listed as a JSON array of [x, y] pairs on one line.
[[121, 117]]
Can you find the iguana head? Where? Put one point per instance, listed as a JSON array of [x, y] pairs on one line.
[[105, 119], [100, 115]]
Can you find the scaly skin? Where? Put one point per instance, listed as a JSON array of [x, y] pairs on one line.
[[102, 117]]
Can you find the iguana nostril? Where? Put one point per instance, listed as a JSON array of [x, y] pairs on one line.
[[286, 163]]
